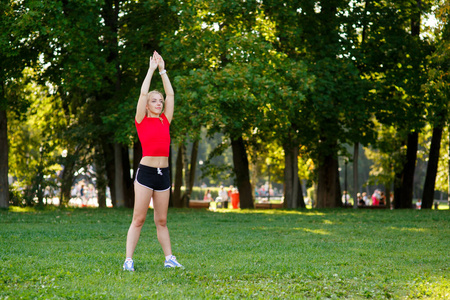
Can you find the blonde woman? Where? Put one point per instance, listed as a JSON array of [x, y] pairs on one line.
[[153, 118]]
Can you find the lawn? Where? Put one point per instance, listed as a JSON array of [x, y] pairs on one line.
[[241, 254]]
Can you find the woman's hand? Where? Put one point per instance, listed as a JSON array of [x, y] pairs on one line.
[[154, 61], [160, 61]]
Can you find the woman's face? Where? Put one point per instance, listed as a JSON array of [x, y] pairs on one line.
[[155, 103]]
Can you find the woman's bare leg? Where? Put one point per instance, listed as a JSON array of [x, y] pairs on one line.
[[142, 199], [161, 206]]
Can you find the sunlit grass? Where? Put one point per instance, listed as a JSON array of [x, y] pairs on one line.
[[231, 254], [443, 206]]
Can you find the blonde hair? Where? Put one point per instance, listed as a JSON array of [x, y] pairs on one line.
[[155, 92]]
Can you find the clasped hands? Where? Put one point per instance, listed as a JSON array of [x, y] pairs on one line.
[[156, 61]]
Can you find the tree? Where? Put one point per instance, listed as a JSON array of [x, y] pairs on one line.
[[228, 43], [438, 93], [71, 47], [17, 50], [393, 38], [288, 123], [95, 62], [321, 36], [33, 138]]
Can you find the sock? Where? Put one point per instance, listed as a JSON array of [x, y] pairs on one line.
[[168, 257], [128, 259]]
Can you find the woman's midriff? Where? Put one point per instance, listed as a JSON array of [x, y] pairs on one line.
[[155, 161]]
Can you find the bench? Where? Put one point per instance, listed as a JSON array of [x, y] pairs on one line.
[[198, 204], [372, 206], [268, 205]]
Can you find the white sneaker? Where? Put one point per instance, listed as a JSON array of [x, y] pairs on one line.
[[172, 263], [128, 265]]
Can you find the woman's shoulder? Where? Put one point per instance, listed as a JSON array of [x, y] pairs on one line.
[[139, 122], [165, 119]]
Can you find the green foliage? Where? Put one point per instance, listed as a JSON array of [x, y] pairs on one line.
[[16, 198], [308, 73], [33, 139], [443, 169], [386, 155], [260, 254], [398, 55], [17, 44]]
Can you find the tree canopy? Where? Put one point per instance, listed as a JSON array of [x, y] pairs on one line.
[[306, 77]]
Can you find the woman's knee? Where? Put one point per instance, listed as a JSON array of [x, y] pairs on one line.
[[160, 221], [138, 221]]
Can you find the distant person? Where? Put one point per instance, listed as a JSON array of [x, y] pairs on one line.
[[230, 191], [376, 198], [419, 204], [223, 196], [360, 200], [345, 198], [234, 197], [365, 198], [152, 176], [207, 196]]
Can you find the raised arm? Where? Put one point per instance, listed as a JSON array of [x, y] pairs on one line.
[[169, 103], [141, 109]]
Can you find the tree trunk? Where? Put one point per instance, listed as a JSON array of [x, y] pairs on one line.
[[407, 179], [101, 189], [433, 160], [413, 137], [241, 170], [101, 182], [190, 183], [67, 180], [292, 190], [328, 190], [300, 200], [179, 176], [114, 163], [397, 188], [127, 180], [38, 185], [387, 189], [137, 155], [288, 178], [118, 175], [4, 184]]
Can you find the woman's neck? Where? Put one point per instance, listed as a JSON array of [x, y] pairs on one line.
[[152, 115]]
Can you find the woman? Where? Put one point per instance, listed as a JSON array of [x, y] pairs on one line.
[[207, 196], [152, 177]]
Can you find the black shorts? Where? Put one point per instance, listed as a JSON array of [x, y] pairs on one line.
[[157, 179]]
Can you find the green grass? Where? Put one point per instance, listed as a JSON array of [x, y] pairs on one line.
[[265, 254]]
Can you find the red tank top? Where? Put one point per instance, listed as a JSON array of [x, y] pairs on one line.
[[154, 136]]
